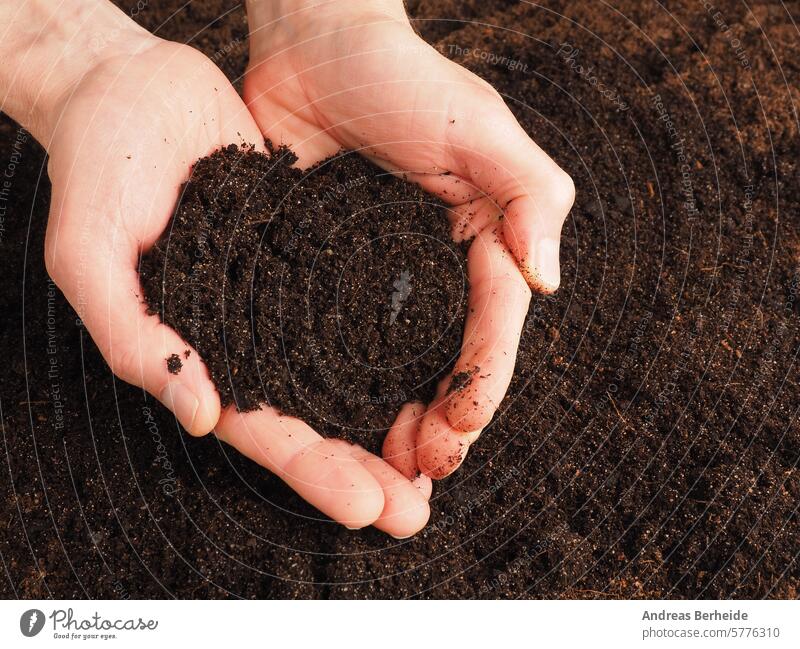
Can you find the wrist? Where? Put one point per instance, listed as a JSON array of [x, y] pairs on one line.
[[276, 24], [51, 49]]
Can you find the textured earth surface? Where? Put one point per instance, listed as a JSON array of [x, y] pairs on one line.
[[649, 443]]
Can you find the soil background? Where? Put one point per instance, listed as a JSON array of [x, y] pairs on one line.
[[649, 443]]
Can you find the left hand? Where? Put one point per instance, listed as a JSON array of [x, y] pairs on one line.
[[122, 127], [342, 75]]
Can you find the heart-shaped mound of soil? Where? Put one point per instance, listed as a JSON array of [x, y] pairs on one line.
[[334, 294]]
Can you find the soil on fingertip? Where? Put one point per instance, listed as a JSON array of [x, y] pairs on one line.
[[334, 294]]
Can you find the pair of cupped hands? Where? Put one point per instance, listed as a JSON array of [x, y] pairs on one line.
[[122, 136]]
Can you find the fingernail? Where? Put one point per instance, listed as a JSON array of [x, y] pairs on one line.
[[547, 264], [401, 538], [182, 402]]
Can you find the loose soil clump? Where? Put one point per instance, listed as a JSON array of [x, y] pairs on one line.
[[174, 364], [334, 294]]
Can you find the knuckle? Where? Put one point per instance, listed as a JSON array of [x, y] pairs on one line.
[[562, 191]]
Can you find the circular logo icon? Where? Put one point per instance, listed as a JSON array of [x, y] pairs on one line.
[[31, 622]]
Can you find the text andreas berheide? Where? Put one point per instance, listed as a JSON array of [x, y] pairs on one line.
[[698, 616]]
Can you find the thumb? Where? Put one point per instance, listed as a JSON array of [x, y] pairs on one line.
[[102, 285]]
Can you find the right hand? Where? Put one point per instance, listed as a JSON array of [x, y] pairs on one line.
[[327, 75]]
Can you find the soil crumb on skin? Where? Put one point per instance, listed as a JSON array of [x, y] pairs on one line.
[[174, 364], [335, 294], [461, 380]]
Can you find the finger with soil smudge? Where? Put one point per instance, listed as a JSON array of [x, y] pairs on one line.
[[471, 218], [400, 444], [498, 303], [532, 230], [321, 471], [514, 174], [441, 448]]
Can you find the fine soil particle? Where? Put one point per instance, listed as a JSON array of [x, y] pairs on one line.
[[649, 449], [174, 364], [334, 294]]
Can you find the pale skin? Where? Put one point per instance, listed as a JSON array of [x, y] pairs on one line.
[[118, 109]]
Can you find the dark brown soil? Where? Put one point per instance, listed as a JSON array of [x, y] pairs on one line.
[[334, 294], [649, 443], [174, 364]]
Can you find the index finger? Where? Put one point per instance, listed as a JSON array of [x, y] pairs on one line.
[[498, 303]]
